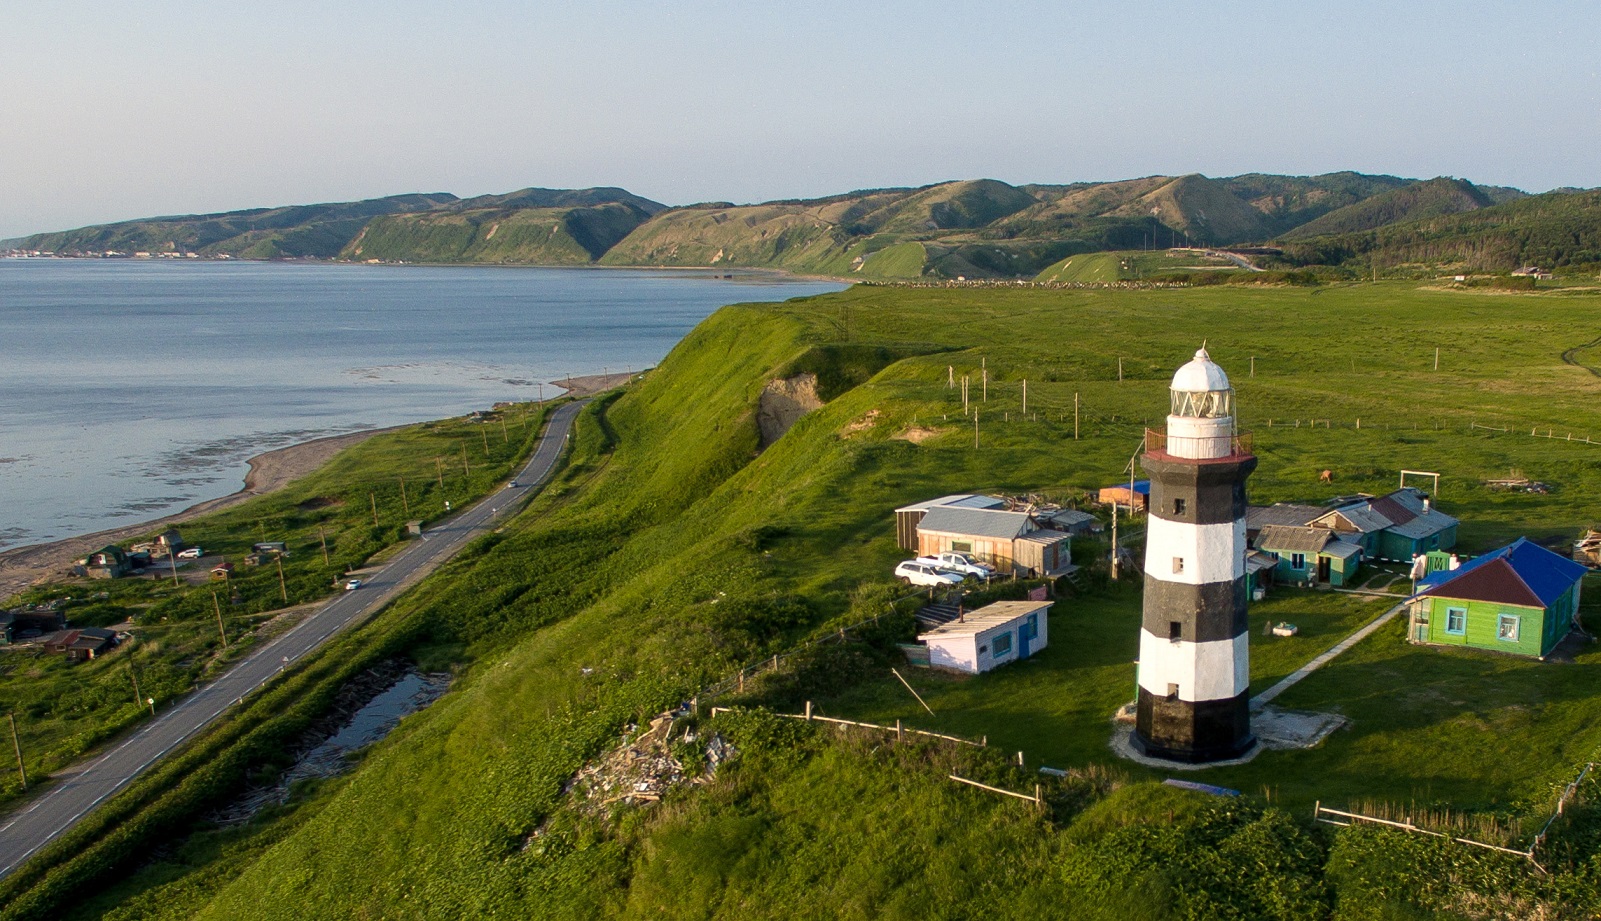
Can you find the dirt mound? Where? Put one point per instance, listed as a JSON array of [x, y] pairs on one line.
[[916, 434], [782, 404]]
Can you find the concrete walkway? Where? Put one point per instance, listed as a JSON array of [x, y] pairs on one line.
[[1262, 699]]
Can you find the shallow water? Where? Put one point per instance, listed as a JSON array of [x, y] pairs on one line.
[[130, 389]]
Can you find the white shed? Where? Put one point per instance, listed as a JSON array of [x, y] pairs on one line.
[[992, 635]]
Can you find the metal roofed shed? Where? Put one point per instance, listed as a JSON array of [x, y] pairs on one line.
[[1309, 555], [1136, 497], [993, 635], [1005, 540], [908, 517]]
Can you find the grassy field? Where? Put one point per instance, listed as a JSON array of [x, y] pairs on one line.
[[355, 502], [674, 551]]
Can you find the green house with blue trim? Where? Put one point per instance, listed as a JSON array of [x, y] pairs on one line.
[[1521, 599]]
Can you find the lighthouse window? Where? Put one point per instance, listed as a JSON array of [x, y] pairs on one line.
[[1178, 506], [1172, 692], [1178, 564], [1175, 630]]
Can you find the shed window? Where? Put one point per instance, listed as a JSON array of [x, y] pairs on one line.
[[1297, 561], [1456, 621], [1003, 644], [1506, 627], [1031, 628], [962, 546]]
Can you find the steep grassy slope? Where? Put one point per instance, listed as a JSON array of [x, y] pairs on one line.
[[538, 236], [1554, 230], [686, 551], [1419, 201], [1290, 201], [1203, 209], [259, 233]]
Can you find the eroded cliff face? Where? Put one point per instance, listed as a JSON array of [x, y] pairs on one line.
[[784, 401]]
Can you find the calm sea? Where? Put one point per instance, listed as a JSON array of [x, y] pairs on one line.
[[132, 389]]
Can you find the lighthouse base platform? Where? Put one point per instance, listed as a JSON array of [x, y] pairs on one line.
[[1274, 729]]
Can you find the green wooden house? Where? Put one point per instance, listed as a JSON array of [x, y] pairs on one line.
[[1522, 599], [1309, 555]]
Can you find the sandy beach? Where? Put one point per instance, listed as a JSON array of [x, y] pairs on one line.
[[21, 567]]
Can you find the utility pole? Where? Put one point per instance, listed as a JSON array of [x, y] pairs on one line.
[[138, 698], [485, 433], [986, 385], [404, 504], [283, 586], [439, 464], [1075, 416], [323, 533], [504, 438], [1120, 368], [1025, 396], [950, 377], [217, 606], [975, 430], [466, 471], [373, 498], [16, 743], [1436, 358], [1114, 538], [1253, 365]]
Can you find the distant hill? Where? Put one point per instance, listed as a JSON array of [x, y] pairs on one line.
[[977, 228], [1415, 202], [1555, 230], [532, 236], [296, 231]]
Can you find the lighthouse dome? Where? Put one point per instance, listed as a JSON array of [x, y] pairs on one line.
[[1200, 375]]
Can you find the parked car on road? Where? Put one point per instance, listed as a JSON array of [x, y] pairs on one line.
[[916, 572], [959, 563], [193, 553]]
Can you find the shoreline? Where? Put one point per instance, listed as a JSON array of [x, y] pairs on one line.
[[25, 566]]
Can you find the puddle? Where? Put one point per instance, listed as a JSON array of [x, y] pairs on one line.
[[411, 692]]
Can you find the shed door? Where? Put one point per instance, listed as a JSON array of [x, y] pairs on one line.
[[1324, 568]]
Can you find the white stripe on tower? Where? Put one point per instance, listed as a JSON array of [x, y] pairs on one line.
[[1194, 554]]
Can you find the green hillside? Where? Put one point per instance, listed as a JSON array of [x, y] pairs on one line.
[[1556, 230], [536, 236], [1416, 202], [675, 550], [1287, 202]]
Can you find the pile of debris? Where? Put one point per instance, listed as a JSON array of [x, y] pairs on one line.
[[1587, 549], [1517, 482], [646, 765]]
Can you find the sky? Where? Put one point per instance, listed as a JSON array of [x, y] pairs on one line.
[[112, 110]]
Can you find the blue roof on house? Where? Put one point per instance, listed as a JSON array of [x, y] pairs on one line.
[[1140, 486], [1499, 575]]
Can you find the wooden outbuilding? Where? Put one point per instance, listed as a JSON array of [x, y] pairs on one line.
[[908, 517], [1005, 540]]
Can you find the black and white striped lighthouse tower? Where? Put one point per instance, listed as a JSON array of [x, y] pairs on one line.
[[1194, 661]]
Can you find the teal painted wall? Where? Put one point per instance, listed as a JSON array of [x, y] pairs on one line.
[[1395, 547], [1482, 624], [1341, 571]]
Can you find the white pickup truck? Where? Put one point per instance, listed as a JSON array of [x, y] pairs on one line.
[[959, 563]]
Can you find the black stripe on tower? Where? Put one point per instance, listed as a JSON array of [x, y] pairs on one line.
[[1213, 491], [1204, 613], [1209, 730]]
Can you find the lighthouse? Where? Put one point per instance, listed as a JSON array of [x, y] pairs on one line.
[[1194, 665]]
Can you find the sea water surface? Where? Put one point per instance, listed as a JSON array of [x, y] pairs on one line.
[[131, 389]]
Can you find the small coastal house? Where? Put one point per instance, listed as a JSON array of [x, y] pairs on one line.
[[1132, 496], [169, 542], [1293, 515], [993, 635], [1071, 520], [222, 571], [109, 562], [1005, 540], [81, 644], [1398, 526], [1310, 556], [1522, 599], [908, 517]]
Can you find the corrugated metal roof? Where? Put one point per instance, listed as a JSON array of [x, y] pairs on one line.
[[1070, 518], [976, 522], [960, 500], [1361, 517], [1045, 537], [1296, 540], [1429, 523], [1521, 573], [1141, 487], [987, 617], [1256, 561], [1286, 513], [1343, 549]]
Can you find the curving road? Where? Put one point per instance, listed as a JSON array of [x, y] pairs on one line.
[[79, 790]]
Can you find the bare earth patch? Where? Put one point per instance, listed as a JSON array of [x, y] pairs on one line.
[[916, 434]]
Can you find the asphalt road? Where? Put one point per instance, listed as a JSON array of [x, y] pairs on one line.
[[82, 789]]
